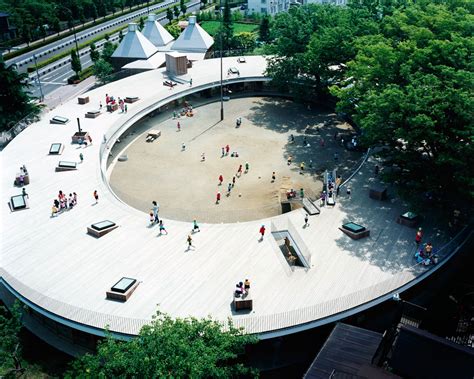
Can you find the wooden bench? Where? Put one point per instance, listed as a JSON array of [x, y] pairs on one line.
[[93, 114], [112, 107], [83, 100], [18, 181], [131, 99], [378, 192], [243, 303]]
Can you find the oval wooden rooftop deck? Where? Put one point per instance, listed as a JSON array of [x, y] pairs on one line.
[[53, 265]]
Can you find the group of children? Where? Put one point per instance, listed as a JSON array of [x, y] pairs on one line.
[[110, 102], [424, 252], [63, 203], [231, 185], [242, 288]]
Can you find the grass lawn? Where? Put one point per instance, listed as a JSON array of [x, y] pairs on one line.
[[212, 26]]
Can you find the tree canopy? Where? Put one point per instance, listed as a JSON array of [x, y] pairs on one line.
[[409, 88], [402, 71], [180, 348], [15, 100], [10, 347]]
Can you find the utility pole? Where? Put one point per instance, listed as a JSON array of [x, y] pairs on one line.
[[38, 78], [220, 37]]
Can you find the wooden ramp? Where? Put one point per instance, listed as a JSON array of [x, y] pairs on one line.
[[310, 207]]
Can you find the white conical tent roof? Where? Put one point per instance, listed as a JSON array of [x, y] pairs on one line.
[[193, 38], [134, 45], [155, 32]]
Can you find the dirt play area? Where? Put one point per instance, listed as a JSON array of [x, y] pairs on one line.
[[186, 186]]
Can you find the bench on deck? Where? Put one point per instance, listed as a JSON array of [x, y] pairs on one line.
[[131, 99], [243, 302], [93, 114], [19, 182], [378, 192], [152, 135]]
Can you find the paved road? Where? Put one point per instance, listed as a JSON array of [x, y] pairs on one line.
[[56, 74], [25, 60]]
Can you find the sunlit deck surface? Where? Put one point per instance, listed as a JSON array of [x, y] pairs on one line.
[[55, 265]]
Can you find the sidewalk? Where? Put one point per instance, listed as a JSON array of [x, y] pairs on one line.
[[66, 92]]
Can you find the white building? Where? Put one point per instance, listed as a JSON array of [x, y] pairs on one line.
[[156, 33], [272, 7]]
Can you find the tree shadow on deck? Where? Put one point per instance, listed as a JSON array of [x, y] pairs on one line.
[[391, 246]]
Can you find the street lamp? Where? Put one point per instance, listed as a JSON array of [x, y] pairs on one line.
[[38, 78], [220, 37]]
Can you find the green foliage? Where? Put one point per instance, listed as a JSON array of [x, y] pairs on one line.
[[169, 14], [264, 30], [10, 348], [402, 71], [313, 39], [411, 91], [173, 29], [176, 11], [29, 15], [103, 70], [94, 53], [16, 103], [212, 27], [75, 62], [180, 348], [107, 51], [245, 41], [182, 7], [141, 23]]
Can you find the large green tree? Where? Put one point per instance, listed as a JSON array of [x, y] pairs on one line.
[[10, 347], [410, 90], [76, 62], [179, 348], [15, 100], [264, 29], [103, 70], [311, 41]]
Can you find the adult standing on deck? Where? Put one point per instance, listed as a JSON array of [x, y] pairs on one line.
[[96, 196], [156, 209], [262, 232]]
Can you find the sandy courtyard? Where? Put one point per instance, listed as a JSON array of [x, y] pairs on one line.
[[186, 187]]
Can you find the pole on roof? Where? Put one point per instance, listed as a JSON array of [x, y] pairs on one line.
[[220, 37]]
